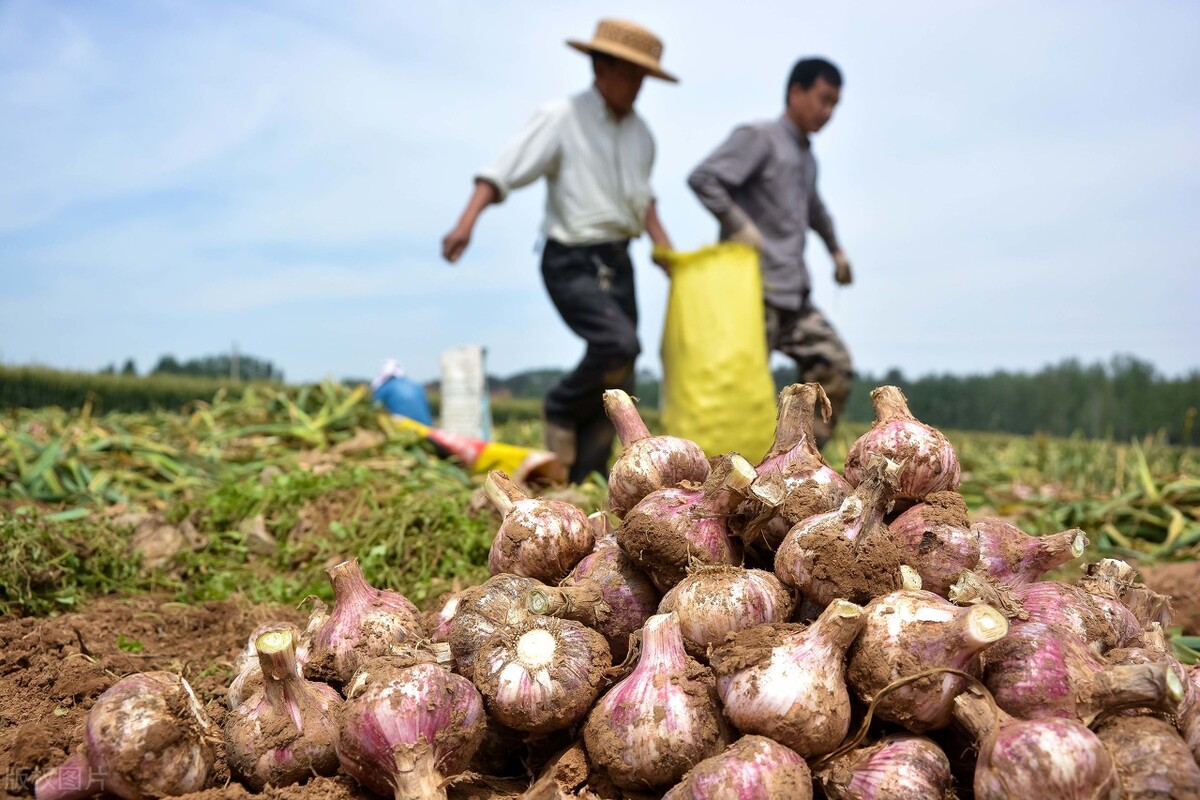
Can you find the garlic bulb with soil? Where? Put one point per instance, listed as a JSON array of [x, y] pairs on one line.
[[752, 768], [848, 553], [673, 528], [908, 632], [145, 736], [647, 463], [1152, 759], [898, 767], [407, 727], [484, 608], [937, 540], [928, 462], [286, 732], [365, 622], [1036, 671], [650, 728], [540, 674], [1034, 758], [1013, 557], [541, 539], [715, 601], [631, 597], [794, 481], [789, 683]]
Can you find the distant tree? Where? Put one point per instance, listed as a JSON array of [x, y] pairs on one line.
[[130, 368], [220, 366], [109, 369]]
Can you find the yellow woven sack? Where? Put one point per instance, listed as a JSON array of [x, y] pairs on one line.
[[717, 385]]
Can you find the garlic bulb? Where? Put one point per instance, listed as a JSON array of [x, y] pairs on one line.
[[928, 462], [540, 539], [541, 674], [647, 463], [789, 683], [650, 728]]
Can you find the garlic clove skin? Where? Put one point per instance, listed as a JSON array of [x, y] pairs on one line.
[[899, 767], [539, 539], [541, 674], [752, 768], [286, 731], [928, 462], [650, 728], [789, 683], [647, 463], [146, 736], [407, 728], [714, 601]]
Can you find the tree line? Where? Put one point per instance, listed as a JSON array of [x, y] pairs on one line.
[[225, 366], [1121, 399]]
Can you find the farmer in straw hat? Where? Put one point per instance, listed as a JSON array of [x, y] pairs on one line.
[[595, 153]]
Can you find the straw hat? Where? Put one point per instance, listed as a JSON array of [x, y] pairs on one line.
[[628, 42]]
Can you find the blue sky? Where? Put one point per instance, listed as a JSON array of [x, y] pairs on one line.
[[1015, 182]]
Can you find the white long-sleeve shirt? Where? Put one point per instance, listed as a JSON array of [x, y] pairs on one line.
[[597, 169]]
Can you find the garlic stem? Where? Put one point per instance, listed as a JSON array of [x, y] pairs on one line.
[[625, 417], [503, 493]]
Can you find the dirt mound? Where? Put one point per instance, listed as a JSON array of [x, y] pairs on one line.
[[1182, 582]]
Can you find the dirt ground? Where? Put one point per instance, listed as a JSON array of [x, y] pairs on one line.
[[52, 670], [1181, 581]]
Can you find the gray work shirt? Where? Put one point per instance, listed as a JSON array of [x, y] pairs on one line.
[[767, 169]]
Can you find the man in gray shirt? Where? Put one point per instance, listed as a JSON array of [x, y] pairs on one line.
[[761, 184]]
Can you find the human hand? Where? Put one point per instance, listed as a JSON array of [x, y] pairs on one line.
[[660, 254], [841, 269], [747, 233], [455, 242]]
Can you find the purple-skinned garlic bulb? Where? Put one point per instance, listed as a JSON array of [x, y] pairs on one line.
[[898, 767], [715, 601], [541, 674], [1013, 557], [673, 528], [1034, 758], [794, 480], [647, 463], [908, 632], [631, 596], [650, 728], [145, 736], [541, 539], [365, 622], [408, 727], [286, 732], [752, 768], [788, 682], [928, 462], [848, 553], [937, 540]]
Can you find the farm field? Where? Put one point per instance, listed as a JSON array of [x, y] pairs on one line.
[[158, 540]]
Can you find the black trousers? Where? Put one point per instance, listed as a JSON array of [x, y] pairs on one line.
[[592, 288]]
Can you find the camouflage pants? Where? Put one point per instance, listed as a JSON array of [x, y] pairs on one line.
[[807, 337]]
